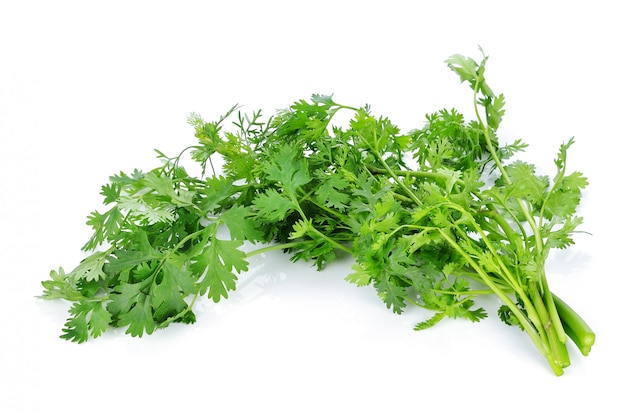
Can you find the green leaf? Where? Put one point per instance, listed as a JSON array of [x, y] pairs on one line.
[[215, 192], [60, 286], [169, 293], [138, 250], [123, 297], [495, 111], [288, 168], [88, 318], [463, 310], [148, 211], [359, 276], [330, 192], [419, 239], [139, 318], [216, 265], [432, 321], [465, 67], [91, 268], [563, 236], [565, 195], [110, 192], [164, 186], [392, 295], [77, 328], [273, 206], [100, 320], [300, 229], [472, 72], [562, 201], [525, 184], [241, 223], [326, 100]]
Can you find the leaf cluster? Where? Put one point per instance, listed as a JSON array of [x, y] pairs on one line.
[[433, 218]]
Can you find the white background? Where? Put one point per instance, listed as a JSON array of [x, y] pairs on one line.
[[88, 89]]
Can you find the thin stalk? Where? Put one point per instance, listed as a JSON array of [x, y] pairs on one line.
[[312, 228], [307, 197], [413, 174], [397, 179], [435, 175], [468, 292], [505, 176], [376, 152], [274, 247], [332, 241]]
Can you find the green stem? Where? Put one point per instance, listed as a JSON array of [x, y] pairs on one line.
[[413, 174], [576, 328], [438, 176], [397, 179], [332, 241], [557, 347], [555, 327], [526, 324], [489, 140], [467, 292], [376, 152], [312, 228], [274, 247], [551, 307], [307, 197]]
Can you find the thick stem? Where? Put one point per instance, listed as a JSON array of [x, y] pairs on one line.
[[576, 328], [557, 347], [552, 310], [526, 324]]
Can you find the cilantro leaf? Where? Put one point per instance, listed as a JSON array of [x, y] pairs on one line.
[[88, 318], [241, 224], [288, 169], [393, 295], [331, 191], [91, 268], [139, 318], [169, 293], [217, 264], [273, 206]]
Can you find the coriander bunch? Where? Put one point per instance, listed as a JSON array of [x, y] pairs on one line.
[[433, 218]]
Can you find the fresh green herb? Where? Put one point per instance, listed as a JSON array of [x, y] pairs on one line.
[[432, 218]]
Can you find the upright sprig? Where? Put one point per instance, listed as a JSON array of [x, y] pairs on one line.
[[526, 200]]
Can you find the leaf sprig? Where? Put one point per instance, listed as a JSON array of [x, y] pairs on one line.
[[432, 218]]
